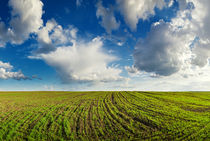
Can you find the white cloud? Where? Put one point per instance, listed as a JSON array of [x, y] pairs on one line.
[[196, 22], [133, 10], [164, 51], [25, 19], [5, 65], [7, 73], [179, 45], [201, 25], [83, 62], [109, 21], [73, 33], [43, 38], [75, 59], [43, 33], [52, 35]]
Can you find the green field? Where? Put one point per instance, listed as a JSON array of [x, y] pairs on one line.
[[104, 115]]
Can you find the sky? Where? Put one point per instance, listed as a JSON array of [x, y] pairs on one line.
[[79, 45]]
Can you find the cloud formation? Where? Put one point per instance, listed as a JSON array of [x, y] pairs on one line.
[[164, 51], [52, 35], [83, 62], [7, 73], [200, 25], [25, 19], [133, 10], [179, 45], [109, 21], [74, 59]]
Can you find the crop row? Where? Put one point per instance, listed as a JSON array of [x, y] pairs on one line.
[[104, 115]]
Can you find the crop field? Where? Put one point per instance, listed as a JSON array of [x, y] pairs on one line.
[[105, 116]]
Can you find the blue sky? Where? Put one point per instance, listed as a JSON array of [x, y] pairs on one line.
[[104, 45]]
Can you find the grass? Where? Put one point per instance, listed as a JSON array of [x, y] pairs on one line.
[[104, 115]]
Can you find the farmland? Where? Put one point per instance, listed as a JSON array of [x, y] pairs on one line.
[[104, 115]]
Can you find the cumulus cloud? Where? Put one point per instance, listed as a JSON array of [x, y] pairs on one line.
[[52, 35], [44, 40], [83, 62], [194, 19], [197, 22], [179, 45], [200, 25], [75, 59], [109, 21], [164, 51], [25, 19], [7, 73], [133, 10]]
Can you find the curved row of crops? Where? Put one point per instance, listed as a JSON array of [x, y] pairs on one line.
[[104, 115]]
